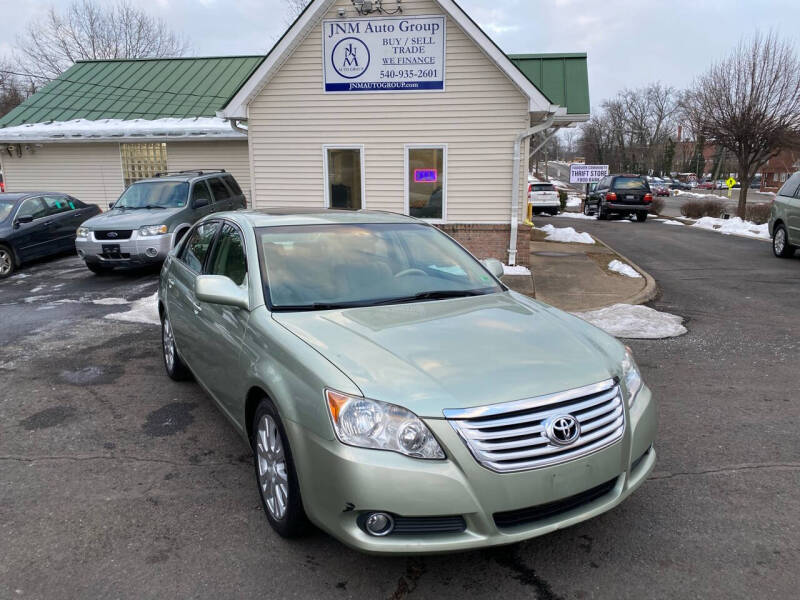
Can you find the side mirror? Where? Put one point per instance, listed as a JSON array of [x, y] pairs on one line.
[[495, 266], [111, 205], [200, 202], [218, 289], [23, 219]]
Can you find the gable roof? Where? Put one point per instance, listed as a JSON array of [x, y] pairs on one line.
[[136, 89], [236, 107], [563, 78]]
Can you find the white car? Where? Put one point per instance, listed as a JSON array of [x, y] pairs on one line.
[[543, 197]]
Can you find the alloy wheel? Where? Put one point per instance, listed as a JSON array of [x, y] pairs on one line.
[[5, 262], [271, 460], [169, 345], [779, 241]]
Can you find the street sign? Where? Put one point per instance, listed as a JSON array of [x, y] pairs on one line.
[[730, 182], [580, 173]]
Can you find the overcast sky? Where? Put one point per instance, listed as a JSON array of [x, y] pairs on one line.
[[629, 43]]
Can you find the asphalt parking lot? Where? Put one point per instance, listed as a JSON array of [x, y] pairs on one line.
[[118, 482]]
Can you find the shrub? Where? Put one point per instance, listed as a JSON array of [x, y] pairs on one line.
[[758, 213], [694, 209], [562, 197], [656, 206]]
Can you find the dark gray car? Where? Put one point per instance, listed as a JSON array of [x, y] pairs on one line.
[[152, 215]]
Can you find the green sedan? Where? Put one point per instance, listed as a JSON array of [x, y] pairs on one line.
[[394, 392]]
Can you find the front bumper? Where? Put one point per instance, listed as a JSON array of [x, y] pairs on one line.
[[134, 251], [339, 483]]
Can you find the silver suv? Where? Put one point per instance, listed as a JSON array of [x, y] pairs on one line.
[[152, 215]]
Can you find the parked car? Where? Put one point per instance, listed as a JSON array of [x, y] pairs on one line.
[[784, 220], [36, 225], [312, 332], [677, 184], [706, 185], [658, 186], [720, 184], [620, 194], [152, 215], [543, 197]]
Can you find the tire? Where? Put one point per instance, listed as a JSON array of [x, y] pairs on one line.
[[780, 242], [553, 211], [602, 213], [275, 473], [99, 269], [7, 263], [587, 210], [173, 364], [641, 216]]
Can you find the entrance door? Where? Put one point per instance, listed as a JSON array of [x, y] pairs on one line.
[[344, 180]]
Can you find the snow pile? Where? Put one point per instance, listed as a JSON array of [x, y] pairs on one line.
[[110, 301], [142, 311], [119, 128], [566, 234], [734, 225], [671, 222], [634, 321], [573, 201], [623, 269], [576, 216], [699, 195], [515, 270]]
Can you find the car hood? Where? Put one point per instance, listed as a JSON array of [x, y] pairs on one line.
[[458, 353], [119, 218]]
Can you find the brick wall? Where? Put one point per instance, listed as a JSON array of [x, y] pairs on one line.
[[491, 241]]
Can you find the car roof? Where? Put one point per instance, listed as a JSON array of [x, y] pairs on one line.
[[20, 195], [276, 217]]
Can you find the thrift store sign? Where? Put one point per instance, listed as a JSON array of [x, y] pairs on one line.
[[384, 54]]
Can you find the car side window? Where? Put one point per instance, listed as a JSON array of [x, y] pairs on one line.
[[232, 184], [196, 248], [229, 257], [219, 189], [57, 204], [32, 207], [791, 187], [201, 195]]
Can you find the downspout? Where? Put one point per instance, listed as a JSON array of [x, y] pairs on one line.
[[236, 127], [512, 243]]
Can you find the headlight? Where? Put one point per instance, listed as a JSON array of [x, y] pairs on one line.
[[372, 424], [83, 232], [631, 375], [148, 230]]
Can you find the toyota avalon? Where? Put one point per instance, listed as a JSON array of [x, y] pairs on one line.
[[394, 392]]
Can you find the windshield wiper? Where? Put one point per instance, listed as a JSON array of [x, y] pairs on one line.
[[153, 206], [431, 295]]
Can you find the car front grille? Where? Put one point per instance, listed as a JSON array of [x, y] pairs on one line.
[[514, 436], [532, 514], [115, 234]]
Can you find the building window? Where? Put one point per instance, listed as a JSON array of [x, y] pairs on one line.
[[140, 161], [426, 182], [344, 177]]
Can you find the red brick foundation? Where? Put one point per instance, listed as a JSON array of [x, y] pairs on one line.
[[491, 241]]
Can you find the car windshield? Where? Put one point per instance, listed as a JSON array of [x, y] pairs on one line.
[[629, 183], [6, 206], [317, 267], [154, 194], [546, 187]]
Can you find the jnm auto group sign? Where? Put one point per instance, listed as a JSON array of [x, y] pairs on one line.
[[384, 54]]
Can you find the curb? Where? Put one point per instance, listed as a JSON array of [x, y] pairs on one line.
[[650, 290]]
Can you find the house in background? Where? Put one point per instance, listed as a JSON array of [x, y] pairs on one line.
[[405, 107], [778, 169], [106, 123]]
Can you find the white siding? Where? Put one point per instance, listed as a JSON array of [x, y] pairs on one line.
[[90, 171], [231, 156], [477, 116]]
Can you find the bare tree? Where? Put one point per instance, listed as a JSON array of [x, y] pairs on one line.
[[12, 89], [294, 8], [90, 30], [749, 104]]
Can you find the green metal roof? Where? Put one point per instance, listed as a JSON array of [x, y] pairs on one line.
[[563, 78], [137, 89]]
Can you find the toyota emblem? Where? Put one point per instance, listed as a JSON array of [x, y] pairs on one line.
[[112, 234], [562, 430]]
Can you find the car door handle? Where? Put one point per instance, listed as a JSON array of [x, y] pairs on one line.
[[196, 308], [170, 281]]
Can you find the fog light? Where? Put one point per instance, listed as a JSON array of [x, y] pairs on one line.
[[379, 524], [151, 252]]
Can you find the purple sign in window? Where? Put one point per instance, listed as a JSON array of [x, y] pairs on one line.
[[426, 175]]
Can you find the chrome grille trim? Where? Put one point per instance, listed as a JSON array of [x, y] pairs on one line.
[[511, 436]]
